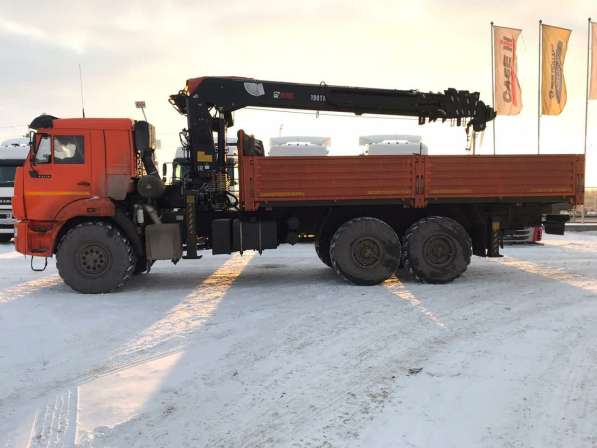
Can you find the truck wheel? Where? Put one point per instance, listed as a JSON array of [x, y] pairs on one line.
[[365, 251], [5, 237], [95, 257], [322, 248], [437, 249]]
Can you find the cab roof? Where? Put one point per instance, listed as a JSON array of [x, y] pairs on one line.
[[50, 122], [93, 123]]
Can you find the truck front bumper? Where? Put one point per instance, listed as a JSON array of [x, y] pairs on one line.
[[36, 238]]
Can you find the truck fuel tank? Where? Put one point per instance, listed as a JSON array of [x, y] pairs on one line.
[[235, 235]]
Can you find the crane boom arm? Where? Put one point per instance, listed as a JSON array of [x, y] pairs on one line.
[[227, 94]]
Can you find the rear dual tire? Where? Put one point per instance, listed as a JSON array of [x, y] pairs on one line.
[[365, 251], [436, 249]]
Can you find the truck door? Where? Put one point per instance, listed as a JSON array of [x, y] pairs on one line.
[[58, 173]]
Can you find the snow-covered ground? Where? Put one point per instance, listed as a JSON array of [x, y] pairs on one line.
[[275, 350]]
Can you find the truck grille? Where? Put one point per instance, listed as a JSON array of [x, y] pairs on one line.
[[519, 235], [6, 215]]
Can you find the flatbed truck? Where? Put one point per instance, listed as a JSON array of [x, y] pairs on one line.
[[90, 192]]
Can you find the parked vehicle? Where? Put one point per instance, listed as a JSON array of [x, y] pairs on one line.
[[524, 235], [12, 154], [90, 192]]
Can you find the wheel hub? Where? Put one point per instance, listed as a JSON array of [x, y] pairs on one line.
[[439, 250], [366, 252], [93, 260]]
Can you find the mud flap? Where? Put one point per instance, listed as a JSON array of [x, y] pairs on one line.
[[555, 224], [162, 242]]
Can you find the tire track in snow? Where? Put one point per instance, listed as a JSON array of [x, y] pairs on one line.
[[152, 343], [55, 423]]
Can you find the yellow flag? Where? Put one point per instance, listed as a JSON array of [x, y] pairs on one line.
[[553, 86], [508, 100], [593, 90]]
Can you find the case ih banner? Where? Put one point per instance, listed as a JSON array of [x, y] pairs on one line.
[[554, 43], [508, 100]]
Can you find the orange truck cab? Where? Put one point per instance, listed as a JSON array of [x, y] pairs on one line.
[[77, 170]]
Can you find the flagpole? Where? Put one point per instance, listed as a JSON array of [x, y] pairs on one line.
[[493, 82], [539, 94], [587, 90]]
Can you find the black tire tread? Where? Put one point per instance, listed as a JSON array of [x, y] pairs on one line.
[[337, 236], [454, 225], [116, 234]]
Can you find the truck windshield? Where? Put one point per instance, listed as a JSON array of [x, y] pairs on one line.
[[7, 175]]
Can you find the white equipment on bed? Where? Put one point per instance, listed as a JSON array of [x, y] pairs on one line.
[[299, 146], [386, 145]]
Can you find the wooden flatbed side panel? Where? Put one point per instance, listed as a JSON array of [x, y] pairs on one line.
[[504, 176], [267, 180], [413, 179]]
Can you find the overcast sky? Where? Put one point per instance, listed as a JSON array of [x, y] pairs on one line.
[[147, 49]]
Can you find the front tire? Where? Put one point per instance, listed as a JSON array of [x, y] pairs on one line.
[[365, 251], [437, 249], [95, 257], [5, 237]]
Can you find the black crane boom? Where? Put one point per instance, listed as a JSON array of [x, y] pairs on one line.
[[229, 94]]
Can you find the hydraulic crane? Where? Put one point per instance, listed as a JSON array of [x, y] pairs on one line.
[[208, 103]]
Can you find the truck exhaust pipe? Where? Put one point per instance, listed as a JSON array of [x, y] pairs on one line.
[[145, 146], [151, 185]]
